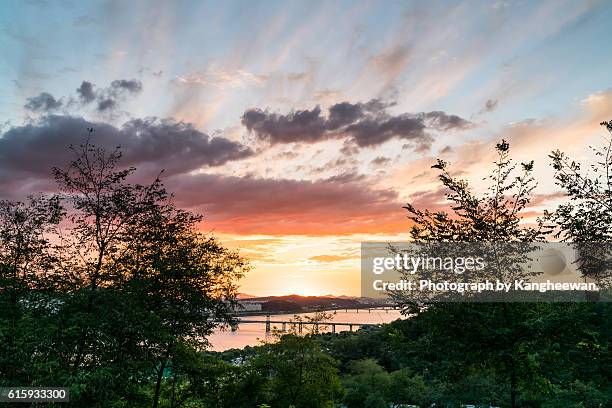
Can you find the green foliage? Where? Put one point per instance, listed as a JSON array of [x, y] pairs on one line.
[[367, 384], [587, 215], [301, 374], [118, 303], [492, 216], [496, 338], [105, 303]]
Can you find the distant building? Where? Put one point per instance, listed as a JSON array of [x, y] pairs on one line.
[[376, 302]]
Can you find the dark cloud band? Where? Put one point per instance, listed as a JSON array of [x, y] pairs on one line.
[[363, 124], [28, 152]]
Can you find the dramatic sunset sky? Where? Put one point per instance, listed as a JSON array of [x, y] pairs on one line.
[[300, 129]]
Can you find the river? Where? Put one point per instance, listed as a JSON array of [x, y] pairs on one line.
[[252, 334]]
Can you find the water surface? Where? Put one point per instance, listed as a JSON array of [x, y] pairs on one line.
[[252, 334]]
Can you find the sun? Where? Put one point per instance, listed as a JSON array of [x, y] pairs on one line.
[[302, 289]]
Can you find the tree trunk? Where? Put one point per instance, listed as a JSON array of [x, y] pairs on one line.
[[173, 390], [160, 375], [512, 384]]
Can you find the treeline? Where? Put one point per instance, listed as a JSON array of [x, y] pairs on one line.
[[447, 356], [106, 283], [109, 289], [452, 354], [296, 303]]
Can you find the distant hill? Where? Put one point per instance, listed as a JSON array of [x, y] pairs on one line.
[[242, 296], [340, 297]]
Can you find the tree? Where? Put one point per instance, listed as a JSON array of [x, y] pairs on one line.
[[534, 353], [495, 216], [126, 286], [26, 265], [409, 388], [203, 379], [300, 373], [25, 250], [586, 218], [99, 321], [186, 280], [316, 323], [142, 260], [367, 386], [104, 211], [492, 217]]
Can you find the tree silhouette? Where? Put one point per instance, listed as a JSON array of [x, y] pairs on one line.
[[102, 286], [586, 218], [488, 219]]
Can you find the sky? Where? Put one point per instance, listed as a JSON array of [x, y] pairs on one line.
[[300, 129]]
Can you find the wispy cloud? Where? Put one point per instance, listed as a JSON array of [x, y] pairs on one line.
[[222, 79]]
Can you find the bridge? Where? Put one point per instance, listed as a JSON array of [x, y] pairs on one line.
[[300, 324], [363, 308]]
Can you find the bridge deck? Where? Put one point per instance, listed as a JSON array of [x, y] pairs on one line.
[[297, 323]]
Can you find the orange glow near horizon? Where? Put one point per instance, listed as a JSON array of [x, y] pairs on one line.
[[302, 265], [311, 246]]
